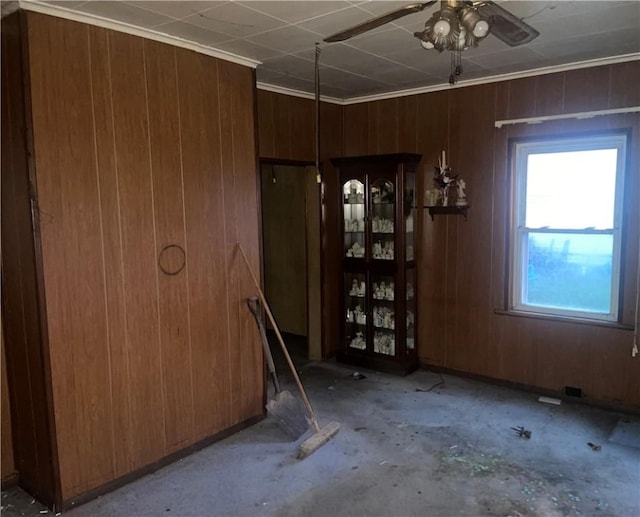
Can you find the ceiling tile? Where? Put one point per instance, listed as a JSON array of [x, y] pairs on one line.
[[332, 91], [612, 18], [245, 48], [347, 58], [291, 65], [190, 32], [360, 83], [581, 48], [180, 9], [378, 7], [331, 75], [385, 42], [234, 19], [402, 77], [290, 39], [294, 12], [336, 22], [500, 59], [124, 13], [286, 81]]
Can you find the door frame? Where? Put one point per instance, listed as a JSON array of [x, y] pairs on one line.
[[312, 231]]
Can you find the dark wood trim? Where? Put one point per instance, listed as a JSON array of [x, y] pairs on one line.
[[611, 406], [38, 261], [148, 469]]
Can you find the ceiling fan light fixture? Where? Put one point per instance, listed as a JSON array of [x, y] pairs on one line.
[[442, 28], [474, 23], [427, 45]]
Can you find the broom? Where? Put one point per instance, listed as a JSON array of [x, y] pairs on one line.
[[321, 435], [283, 406]]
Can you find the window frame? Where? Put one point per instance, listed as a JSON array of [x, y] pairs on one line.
[[520, 149]]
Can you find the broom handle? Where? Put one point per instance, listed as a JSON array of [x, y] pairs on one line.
[[292, 367]]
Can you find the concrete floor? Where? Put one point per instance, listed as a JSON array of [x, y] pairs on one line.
[[404, 449]]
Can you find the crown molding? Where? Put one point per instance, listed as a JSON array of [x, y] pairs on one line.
[[296, 93], [98, 21]]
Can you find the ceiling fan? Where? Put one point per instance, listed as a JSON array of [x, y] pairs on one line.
[[457, 26]]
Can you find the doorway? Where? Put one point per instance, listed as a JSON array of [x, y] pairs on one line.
[[290, 201]]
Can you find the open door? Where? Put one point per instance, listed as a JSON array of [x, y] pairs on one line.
[[291, 251]]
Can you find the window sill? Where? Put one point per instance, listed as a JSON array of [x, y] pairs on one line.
[[564, 319]]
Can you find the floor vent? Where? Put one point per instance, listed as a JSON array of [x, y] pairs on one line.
[[570, 391]]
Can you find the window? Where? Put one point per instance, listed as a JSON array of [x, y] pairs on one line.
[[567, 226]]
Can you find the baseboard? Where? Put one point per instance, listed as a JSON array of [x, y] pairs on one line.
[[9, 481], [148, 469], [609, 405]]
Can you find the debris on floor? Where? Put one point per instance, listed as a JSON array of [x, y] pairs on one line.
[[550, 400], [594, 447], [522, 432], [358, 376]]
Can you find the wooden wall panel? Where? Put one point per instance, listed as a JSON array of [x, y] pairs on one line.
[[133, 153], [356, 129], [168, 209], [71, 243], [135, 184], [266, 129], [212, 334], [432, 137], [112, 251], [237, 93], [302, 114], [462, 264]]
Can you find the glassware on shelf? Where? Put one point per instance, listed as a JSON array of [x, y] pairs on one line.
[[354, 218], [384, 343], [410, 310]]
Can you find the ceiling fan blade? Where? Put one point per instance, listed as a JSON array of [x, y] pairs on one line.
[[505, 25], [378, 21]]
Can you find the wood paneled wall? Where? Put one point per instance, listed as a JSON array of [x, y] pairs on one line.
[[286, 129], [140, 146], [27, 358], [462, 264]]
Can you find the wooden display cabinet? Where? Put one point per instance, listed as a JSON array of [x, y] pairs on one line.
[[378, 301]]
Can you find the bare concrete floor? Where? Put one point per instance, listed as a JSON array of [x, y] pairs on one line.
[[404, 449]]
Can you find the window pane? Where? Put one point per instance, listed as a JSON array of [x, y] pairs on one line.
[[568, 271], [571, 190]]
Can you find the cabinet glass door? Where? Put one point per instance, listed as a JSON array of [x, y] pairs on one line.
[[411, 309], [354, 219], [382, 220], [409, 214], [356, 317], [383, 314]]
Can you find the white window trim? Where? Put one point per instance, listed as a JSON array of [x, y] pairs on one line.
[[521, 150]]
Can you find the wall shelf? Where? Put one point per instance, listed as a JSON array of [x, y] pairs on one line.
[[448, 210]]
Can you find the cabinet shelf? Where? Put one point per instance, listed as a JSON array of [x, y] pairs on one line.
[[448, 210]]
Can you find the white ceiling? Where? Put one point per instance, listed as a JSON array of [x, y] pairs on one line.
[[282, 34]]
